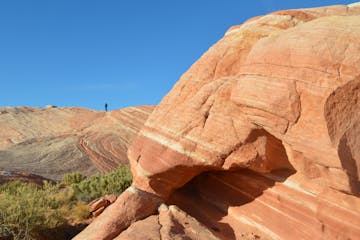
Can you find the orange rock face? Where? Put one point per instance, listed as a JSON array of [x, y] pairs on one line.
[[54, 141], [280, 92], [170, 223], [130, 206], [277, 205], [97, 206]]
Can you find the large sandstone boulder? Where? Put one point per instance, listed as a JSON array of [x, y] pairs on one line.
[[279, 96], [53, 141], [130, 206]]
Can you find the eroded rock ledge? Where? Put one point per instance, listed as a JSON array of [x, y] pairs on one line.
[[278, 94]]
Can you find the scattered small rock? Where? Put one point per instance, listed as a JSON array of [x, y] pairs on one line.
[[99, 205]]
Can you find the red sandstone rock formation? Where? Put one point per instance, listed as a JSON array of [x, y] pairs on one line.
[[97, 206], [269, 122], [54, 141], [170, 223]]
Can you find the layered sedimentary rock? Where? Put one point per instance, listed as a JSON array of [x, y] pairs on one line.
[[274, 205], [53, 141], [278, 96], [6, 176]]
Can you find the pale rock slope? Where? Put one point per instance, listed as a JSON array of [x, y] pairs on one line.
[[260, 138], [52, 141]]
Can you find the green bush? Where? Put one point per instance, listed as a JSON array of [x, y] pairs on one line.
[[101, 184], [80, 211], [71, 178], [26, 209]]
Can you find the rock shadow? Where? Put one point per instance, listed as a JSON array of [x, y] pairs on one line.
[[209, 196], [350, 165], [213, 195], [342, 114], [65, 232]]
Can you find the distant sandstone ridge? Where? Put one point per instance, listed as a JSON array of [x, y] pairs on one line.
[[260, 138], [52, 141]]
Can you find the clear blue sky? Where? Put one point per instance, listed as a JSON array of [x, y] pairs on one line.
[[125, 52]]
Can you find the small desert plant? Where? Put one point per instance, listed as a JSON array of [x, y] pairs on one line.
[[70, 178], [26, 209], [80, 211], [101, 184]]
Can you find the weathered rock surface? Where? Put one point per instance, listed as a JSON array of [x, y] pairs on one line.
[[53, 141], [278, 96], [97, 206], [171, 223], [274, 205], [130, 206]]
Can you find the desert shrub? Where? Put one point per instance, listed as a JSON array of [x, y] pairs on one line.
[[70, 178], [101, 184], [80, 211], [26, 209]]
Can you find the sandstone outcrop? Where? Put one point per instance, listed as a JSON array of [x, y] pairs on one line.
[[130, 206], [53, 141], [267, 124], [171, 223]]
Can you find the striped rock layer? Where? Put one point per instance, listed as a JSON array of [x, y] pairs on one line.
[[267, 124], [53, 141]]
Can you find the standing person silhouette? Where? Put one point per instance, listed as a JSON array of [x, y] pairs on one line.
[[106, 107]]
